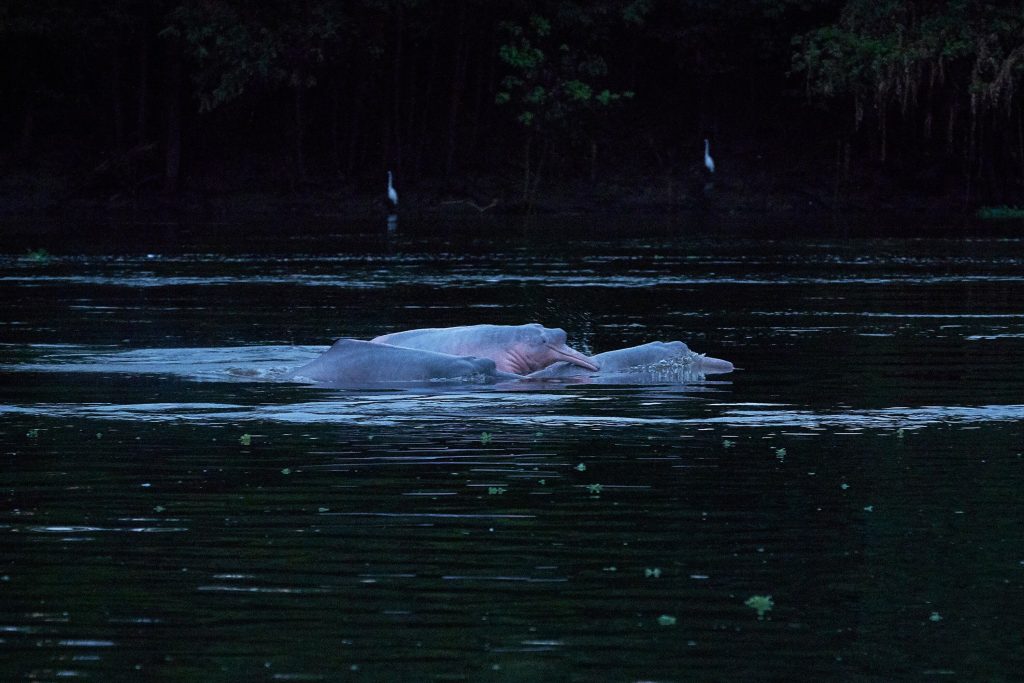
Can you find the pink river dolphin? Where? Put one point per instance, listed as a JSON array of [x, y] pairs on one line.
[[351, 362], [498, 353], [652, 362], [519, 349]]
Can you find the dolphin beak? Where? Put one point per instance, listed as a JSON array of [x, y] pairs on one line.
[[714, 366], [571, 355]]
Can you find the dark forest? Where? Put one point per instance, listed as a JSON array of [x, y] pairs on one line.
[[826, 102]]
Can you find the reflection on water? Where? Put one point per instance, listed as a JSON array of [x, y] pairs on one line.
[[174, 510]]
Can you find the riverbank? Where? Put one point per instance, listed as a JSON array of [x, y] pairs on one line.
[[37, 201], [24, 195]]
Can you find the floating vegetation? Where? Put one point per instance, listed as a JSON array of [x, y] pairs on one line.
[[761, 603], [581, 468], [935, 617], [496, 490], [780, 453], [654, 573], [595, 488], [667, 620], [37, 256], [32, 433], [245, 439], [286, 470], [1000, 213], [726, 443], [869, 508], [486, 438], [844, 486], [158, 508]]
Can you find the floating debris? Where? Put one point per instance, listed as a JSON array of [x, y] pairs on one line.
[[761, 603]]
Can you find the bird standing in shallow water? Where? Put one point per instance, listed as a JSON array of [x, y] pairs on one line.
[[708, 161], [392, 195]]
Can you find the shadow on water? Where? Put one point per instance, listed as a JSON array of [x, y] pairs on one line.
[[845, 507]]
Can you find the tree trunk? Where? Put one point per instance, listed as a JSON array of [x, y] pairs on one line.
[[117, 99], [458, 87], [526, 168], [397, 120], [28, 127], [425, 122], [172, 149], [593, 160], [335, 86], [141, 127], [1020, 147], [485, 65], [299, 176], [355, 122]]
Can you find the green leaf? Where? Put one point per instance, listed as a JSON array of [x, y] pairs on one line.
[[761, 603]]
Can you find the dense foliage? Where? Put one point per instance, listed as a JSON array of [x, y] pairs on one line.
[[141, 96]]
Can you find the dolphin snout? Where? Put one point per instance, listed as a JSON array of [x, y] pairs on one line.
[[714, 366], [571, 355]]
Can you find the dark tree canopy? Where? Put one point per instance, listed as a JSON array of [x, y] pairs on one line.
[[139, 97]]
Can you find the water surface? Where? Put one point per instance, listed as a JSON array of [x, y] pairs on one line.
[[173, 510]]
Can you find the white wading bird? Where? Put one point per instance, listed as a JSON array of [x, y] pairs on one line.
[[708, 161], [392, 195]]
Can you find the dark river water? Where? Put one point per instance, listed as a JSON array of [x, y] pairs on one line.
[[846, 505]]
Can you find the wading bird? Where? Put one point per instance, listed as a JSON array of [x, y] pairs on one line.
[[708, 161], [392, 195]]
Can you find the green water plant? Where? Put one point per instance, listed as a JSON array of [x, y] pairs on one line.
[[667, 620], [38, 256], [761, 603], [1000, 213]]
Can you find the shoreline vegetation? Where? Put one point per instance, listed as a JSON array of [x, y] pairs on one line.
[[28, 195], [224, 107]]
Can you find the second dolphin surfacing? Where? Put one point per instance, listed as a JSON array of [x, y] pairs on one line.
[[652, 362], [351, 362]]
